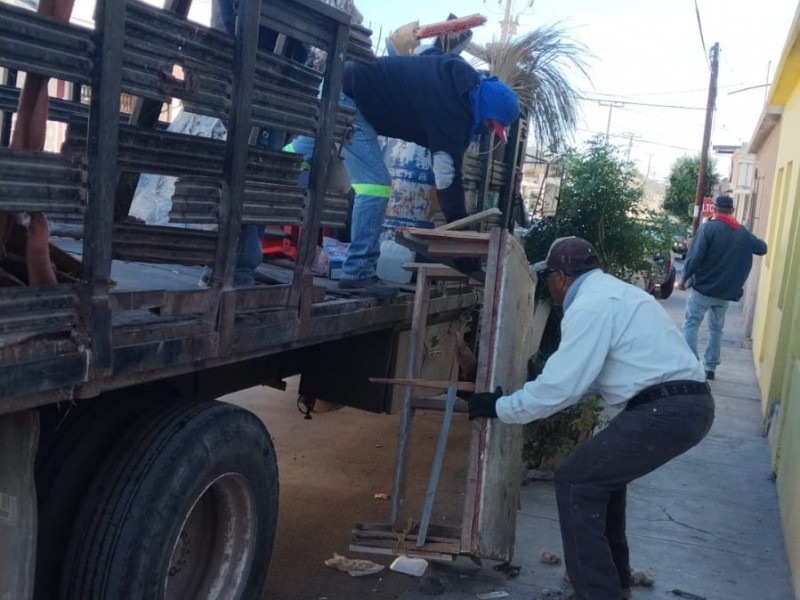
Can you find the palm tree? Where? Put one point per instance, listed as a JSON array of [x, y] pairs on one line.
[[536, 66]]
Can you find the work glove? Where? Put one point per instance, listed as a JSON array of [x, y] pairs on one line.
[[483, 404]]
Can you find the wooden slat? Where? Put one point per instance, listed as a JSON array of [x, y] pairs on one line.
[[463, 386], [441, 543], [496, 447]]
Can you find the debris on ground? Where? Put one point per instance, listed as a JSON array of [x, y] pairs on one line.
[[689, 595], [552, 593], [549, 558], [353, 566], [410, 566], [508, 569], [541, 475], [643, 578], [432, 585], [492, 595], [381, 496]]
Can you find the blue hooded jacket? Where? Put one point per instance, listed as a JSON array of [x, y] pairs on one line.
[[429, 100]]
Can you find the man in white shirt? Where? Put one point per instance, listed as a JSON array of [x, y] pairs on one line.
[[616, 340]]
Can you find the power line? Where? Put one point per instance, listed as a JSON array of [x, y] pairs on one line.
[[667, 93], [700, 29], [601, 100], [639, 140]]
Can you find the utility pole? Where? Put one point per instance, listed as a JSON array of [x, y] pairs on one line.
[[506, 23], [701, 172], [631, 137], [610, 106]]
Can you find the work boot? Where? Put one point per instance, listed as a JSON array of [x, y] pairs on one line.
[[372, 286], [710, 375]]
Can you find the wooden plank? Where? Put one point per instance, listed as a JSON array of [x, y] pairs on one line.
[[452, 236], [416, 342], [440, 272], [463, 386], [442, 543], [497, 446], [458, 248], [485, 215]]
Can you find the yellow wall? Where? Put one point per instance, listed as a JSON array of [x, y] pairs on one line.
[[776, 331]]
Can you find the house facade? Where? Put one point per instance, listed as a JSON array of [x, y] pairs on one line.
[[776, 319]]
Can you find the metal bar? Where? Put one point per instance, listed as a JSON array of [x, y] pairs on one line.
[[44, 45], [233, 171], [332, 82], [413, 364], [436, 468], [168, 153], [512, 152], [145, 114], [63, 111], [483, 173], [41, 181], [102, 169], [7, 112]]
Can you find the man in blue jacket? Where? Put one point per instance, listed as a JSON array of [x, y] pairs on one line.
[[435, 100], [717, 265]]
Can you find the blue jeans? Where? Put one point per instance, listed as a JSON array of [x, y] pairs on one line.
[[370, 178], [696, 307]]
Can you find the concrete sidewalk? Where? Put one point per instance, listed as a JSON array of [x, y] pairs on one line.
[[706, 524]]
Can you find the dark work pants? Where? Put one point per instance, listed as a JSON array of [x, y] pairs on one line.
[[591, 486]]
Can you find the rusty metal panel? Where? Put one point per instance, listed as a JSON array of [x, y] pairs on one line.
[[166, 153], [359, 46], [25, 310], [154, 244], [196, 200], [167, 56], [62, 111], [40, 376], [41, 181], [44, 45]]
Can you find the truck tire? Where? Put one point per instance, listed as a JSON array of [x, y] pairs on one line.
[[185, 508], [73, 445]]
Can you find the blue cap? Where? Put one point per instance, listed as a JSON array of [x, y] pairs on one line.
[[494, 100], [723, 202]]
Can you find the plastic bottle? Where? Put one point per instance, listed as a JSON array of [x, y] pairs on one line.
[[390, 262]]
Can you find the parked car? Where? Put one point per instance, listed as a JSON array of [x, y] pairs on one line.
[[680, 245], [659, 281]]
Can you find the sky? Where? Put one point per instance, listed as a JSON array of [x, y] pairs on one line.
[[639, 53], [644, 52]]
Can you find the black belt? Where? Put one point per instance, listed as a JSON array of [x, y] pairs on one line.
[[667, 389]]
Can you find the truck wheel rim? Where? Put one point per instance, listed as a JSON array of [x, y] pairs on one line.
[[213, 553]]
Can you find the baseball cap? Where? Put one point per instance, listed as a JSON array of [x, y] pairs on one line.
[[723, 202], [570, 254]]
